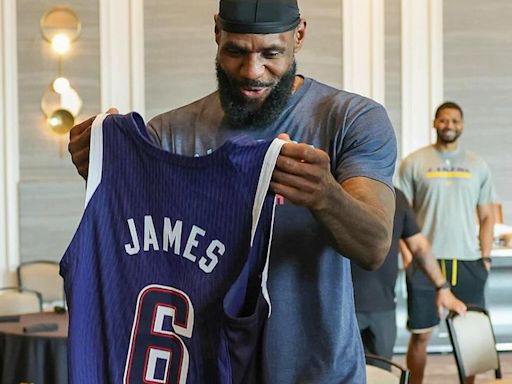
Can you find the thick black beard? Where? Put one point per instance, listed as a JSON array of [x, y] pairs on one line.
[[243, 113]]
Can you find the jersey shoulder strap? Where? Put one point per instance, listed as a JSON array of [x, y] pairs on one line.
[[95, 157]]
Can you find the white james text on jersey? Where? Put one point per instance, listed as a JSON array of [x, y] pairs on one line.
[[171, 241]]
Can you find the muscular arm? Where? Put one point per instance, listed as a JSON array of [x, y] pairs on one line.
[[421, 253], [419, 247], [486, 232], [358, 213]]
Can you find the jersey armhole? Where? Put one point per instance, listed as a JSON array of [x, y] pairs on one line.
[[95, 157]]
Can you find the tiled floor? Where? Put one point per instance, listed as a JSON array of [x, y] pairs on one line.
[[441, 368]]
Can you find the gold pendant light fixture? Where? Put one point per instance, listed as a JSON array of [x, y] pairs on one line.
[[60, 103]]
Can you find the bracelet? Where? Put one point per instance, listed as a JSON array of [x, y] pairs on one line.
[[487, 259], [445, 285]]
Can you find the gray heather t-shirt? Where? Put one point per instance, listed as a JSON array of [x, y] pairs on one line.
[[444, 189], [312, 335]]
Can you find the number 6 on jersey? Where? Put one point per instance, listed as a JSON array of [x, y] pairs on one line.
[[157, 353]]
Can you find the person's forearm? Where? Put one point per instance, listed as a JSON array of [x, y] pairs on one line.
[[486, 236], [359, 231], [405, 253], [428, 263]]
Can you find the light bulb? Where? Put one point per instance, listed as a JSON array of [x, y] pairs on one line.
[[55, 121], [61, 85], [61, 121], [61, 43]]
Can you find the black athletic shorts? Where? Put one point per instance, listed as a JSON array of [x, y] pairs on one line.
[[378, 332], [467, 285]]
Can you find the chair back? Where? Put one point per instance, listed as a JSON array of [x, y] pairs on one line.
[[380, 370], [43, 276], [473, 341], [19, 301]]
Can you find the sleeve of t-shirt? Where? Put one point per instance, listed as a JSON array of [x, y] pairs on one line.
[[410, 225], [406, 180], [154, 129], [369, 147], [487, 193]]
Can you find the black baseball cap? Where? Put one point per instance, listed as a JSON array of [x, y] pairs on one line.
[[258, 16]]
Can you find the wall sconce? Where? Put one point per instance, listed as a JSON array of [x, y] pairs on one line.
[[60, 103]]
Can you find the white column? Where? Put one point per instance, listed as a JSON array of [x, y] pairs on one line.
[[137, 77], [9, 147], [122, 55], [422, 70], [363, 48]]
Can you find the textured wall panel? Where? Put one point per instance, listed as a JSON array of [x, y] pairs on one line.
[[478, 75], [393, 74], [50, 189], [49, 216]]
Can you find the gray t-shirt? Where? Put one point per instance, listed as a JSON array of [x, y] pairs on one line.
[[444, 189], [312, 335]]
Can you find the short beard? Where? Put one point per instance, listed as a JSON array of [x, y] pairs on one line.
[[241, 112], [448, 141]]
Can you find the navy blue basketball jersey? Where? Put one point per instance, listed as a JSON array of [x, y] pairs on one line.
[[165, 276]]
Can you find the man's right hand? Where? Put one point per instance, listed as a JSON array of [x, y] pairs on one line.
[[446, 299], [79, 143]]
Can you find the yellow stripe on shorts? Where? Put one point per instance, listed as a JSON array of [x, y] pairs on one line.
[[454, 272]]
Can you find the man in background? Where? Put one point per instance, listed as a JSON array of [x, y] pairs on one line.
[[445, 184], [374, 291]]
